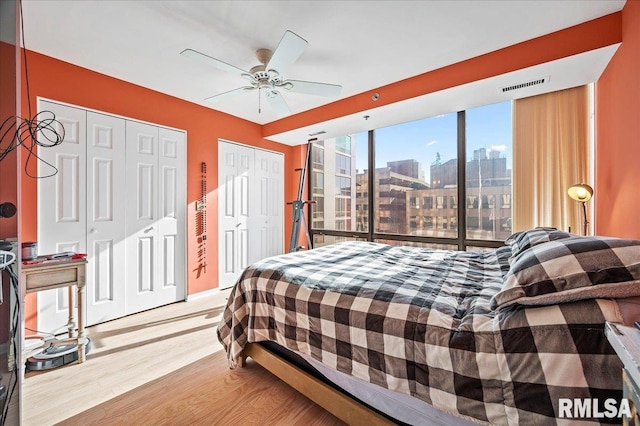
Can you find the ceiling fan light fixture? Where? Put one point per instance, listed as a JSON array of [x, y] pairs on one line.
[[248, 76], [264, 55], [268, 75]]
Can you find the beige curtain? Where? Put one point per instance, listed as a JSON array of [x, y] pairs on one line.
[[550, 153]]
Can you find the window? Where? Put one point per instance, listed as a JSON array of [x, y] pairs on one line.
[[489, 159], [318, 208], [443, 222], [403, 174], [343, 207], [317, 157], [472, 202], [413, 189], [343, 224], [485, 201], [427, 202], [343, 185], [318, 183], [343, 164], [473, 222], [343, 144], [338, 187], [506, 201]]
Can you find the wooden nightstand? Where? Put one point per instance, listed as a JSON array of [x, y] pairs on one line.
[[626, 342], [66, 273]]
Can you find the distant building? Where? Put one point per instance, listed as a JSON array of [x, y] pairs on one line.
[[487, 170], [333, 186], [445, 174], [390, 202], [434, 213]]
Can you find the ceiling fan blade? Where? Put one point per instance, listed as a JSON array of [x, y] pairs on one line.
[[190, 53], [288, 51], [278, 103], [312, 88], [230, 94]]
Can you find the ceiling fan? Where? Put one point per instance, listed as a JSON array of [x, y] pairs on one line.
[[268, 76]]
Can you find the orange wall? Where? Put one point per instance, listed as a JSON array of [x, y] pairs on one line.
[[61, 81], [9, 183], [8, 166], [617, 151]]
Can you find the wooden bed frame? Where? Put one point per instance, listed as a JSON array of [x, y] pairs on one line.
[[337, 403]]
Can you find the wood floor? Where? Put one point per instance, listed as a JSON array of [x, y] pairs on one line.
[[163, 367]]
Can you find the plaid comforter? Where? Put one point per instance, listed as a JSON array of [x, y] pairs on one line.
[[418, 321]]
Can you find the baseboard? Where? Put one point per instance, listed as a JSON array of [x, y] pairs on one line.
[[200, 295]]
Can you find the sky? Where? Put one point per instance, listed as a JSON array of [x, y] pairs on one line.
[[487, 127]]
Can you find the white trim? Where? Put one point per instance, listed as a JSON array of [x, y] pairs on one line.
[[40, 98], [591, 176], [202, 294], [251, 146]]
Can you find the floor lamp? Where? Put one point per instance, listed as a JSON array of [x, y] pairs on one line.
[[582, 193]]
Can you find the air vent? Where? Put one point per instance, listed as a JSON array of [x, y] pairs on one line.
[[317, 133], [526, 84]]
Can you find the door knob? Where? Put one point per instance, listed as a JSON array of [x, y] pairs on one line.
[[93, 231], [149, 229]]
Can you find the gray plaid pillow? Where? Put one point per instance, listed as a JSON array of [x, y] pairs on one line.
[[572, 269], [524, 240]]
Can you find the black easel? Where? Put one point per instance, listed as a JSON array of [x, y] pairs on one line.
[[298, 207]]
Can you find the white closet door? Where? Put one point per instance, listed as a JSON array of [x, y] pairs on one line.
[[61, 204], [276, 208], [171, 218], [235, 172], [142, 280], [251, 205], [267, 198], [120, 196], [155, 217], [105, 218]]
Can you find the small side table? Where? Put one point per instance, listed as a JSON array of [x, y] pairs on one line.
[[626, 342], [62, 273]]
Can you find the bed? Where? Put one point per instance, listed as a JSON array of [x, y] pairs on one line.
[[493, 337]]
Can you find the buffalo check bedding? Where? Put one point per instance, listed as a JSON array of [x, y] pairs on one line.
[[420, 322]]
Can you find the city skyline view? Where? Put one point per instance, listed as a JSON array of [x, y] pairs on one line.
[[488, 127], [415, 178]]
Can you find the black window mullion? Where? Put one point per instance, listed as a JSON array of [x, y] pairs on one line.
[[462, 182], [310, 206], [371, 185]]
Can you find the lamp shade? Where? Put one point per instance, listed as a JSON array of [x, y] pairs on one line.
[[580, 192]]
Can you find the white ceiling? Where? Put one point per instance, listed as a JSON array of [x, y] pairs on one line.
[[361, 45]]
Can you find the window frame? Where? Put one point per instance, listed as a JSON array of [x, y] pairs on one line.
[[461, 241]]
